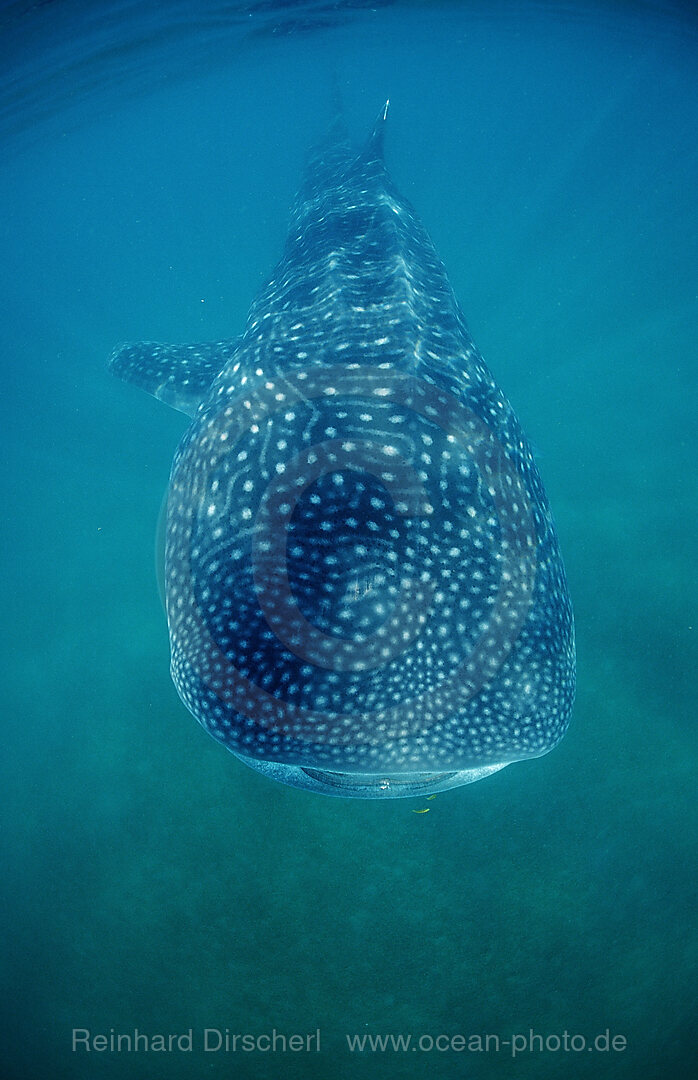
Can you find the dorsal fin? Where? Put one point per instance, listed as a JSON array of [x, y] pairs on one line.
[[373, 151]]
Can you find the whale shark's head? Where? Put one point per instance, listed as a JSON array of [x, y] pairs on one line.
[[358, 592]]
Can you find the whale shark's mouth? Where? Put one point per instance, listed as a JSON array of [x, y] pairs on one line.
[[381, 785], [368, 785]]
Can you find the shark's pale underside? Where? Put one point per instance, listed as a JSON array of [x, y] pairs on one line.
[[364, 588]]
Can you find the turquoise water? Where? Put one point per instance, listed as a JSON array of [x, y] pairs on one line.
[[150, 154]]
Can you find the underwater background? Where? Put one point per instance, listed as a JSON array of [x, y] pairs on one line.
[[149, 154]]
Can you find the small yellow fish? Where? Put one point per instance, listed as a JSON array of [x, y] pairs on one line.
[[430, 797], [424, 811]]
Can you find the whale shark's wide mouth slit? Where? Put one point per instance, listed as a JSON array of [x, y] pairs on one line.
[[355, 785], [415, 781]]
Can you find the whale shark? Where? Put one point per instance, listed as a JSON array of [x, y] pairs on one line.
[[364, 587]]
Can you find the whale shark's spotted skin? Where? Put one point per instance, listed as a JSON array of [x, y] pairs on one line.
[[364, 589]]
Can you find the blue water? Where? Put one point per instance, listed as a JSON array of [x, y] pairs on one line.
[[149, 154]]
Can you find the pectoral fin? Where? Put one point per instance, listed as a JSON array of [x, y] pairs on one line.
[[179, 375]]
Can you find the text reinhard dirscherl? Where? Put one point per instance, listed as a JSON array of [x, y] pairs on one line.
[[215, 1040], [210, 1040]]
